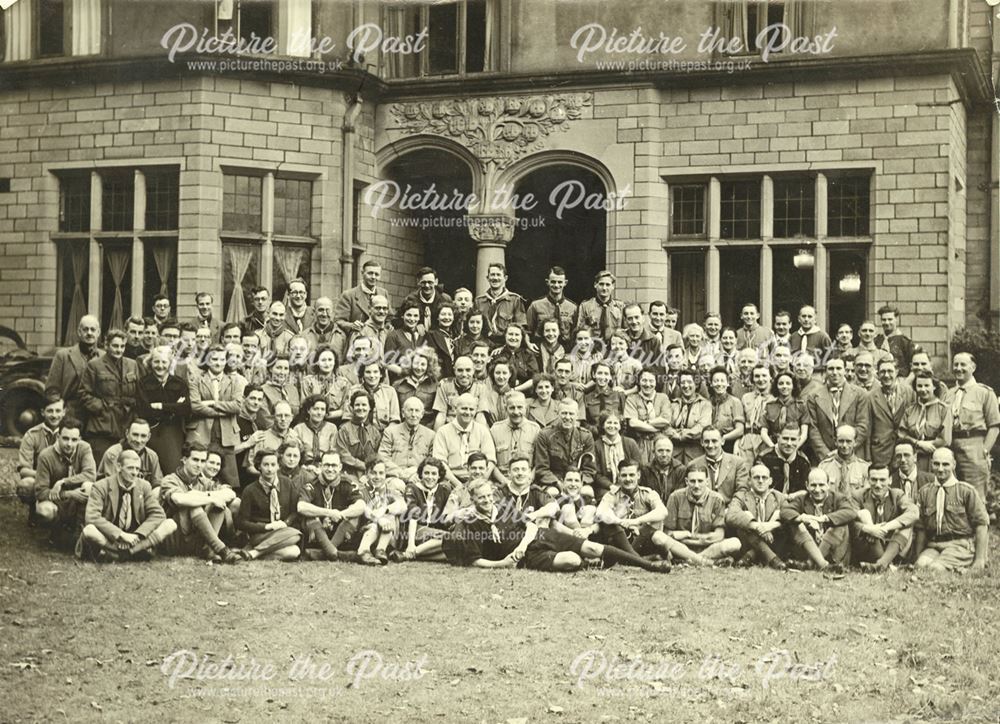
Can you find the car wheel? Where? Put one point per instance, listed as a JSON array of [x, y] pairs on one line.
[[22, 410]]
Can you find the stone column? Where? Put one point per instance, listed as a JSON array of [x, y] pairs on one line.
[[491, 232]]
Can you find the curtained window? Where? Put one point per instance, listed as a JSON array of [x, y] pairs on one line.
[[464, 36], [73, 263], [74, 203], [291, 261], [687, 285], [116, 284], [160, 272], [748, 19], [240, 272]]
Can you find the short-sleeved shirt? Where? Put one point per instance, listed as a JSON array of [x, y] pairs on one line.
[[511, 442], [448, 392], [976, 410], [639, 408], [639, 502], [727, 412], [685, 514], [964, 510]]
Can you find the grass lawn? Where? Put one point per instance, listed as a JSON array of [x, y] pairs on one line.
[[88, 642]]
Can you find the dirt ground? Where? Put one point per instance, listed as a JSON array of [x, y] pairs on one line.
[[183, 640]]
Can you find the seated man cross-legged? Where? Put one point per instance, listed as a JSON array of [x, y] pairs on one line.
[[884, 528], [754, 515], [820, 522], [695, 522]]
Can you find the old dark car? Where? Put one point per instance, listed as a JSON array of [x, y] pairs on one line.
[[22, 384]]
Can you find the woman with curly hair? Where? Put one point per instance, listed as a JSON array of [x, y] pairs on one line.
[[784, 408], [441, 338]]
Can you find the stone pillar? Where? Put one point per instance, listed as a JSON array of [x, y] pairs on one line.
[[491, 232]]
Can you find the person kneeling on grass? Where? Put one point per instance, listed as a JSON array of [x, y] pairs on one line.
[[884, 528], [490, 540], [384, 504], [124, 519], [332, 507], [198, 507], [952, 532], [755, 516], [820, 522], [695, 522], [426, 501], [269, 511]]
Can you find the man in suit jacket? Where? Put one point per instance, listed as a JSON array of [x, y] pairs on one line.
[[216, 401], [727, 473], [905, 474], [124, 519], [884, 528], [107, 391], [355, 305], [886, 403], [69, 363], [836, 403]]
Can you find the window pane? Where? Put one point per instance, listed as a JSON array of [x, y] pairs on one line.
[[256, 18], [739, 283], [740, 212], [116, 284], [292, 207], [848, 206], [161, 200], [117, 200], [74, 203], [848, 285], [241, 203], [51, 23], [688, 211], [475, 36], [250, 254], [792, 269], [160, 271], [687, 285], [794, 208], [443, 40], [73, 259], [291, 261]]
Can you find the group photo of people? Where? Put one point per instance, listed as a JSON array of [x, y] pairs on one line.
[[495, 431]]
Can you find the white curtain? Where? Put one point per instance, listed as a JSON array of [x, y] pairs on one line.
[[288, 260], [799, 16], [163, 258], [491, 60], [734, 23], [294, 27], [78, 305], [239, 261], [395, 26], [86, 27], [17, 25], [118, 259]]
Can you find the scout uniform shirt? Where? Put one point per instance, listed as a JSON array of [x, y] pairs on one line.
[[686, 513]]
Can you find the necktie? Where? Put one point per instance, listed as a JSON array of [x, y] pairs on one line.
[[835, 398], [215, 388], [939, 507], [761, 510], [885, 344], [463, 438], [880, 511], [274, 504], [956, 407], [922, 422], [316, 456], [327, 496], [845, 476], [786, 464], [805, 341], [891, 399], [605, 319], [428, 505], [713, 468], [494, 531], [695, 518], [125, 511]]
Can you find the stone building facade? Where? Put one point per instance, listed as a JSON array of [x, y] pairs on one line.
[[861, 175]]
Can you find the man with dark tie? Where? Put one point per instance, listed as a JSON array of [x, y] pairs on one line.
[[754, 515], [727, 473], [952, 531], [906, 475], [886, 403], [782, 331], [883, 531], [820, 523], [789, 468], [299, 316], [975, 420], [124, 519], [602, 313], [834, 404]]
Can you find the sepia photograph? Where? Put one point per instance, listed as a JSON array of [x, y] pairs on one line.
[[499, 361]]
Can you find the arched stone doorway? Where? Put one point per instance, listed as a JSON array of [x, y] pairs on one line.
[[437, 175], [563, 229]]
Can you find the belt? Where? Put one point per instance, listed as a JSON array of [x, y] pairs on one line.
[[965, 434], [755, 429], [949, 537]]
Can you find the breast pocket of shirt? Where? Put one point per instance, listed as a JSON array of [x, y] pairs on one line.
[[970, 414]]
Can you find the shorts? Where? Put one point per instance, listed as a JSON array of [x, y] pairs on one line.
[[541, 552]]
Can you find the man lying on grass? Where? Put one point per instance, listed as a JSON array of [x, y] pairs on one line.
[[492, 541]]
